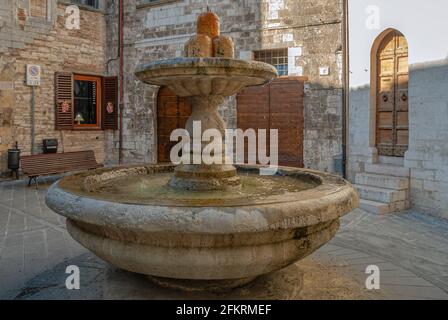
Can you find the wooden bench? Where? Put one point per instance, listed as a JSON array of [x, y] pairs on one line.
[[55, 163]]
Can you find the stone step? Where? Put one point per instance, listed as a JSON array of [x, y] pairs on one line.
[[381, 207], [387, 169], [374, 206], [399, 206], [382, 181], [380, 194], [396, 161]]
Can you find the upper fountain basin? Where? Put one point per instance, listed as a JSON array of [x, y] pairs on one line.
[[206, 76]]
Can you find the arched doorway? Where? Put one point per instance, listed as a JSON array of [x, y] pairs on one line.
[[390, 76]]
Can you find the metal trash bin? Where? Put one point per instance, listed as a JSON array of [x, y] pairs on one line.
[[50, 145], [14, 160]]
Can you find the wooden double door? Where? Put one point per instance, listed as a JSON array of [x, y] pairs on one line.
[[278, 105], [392, 124], [172, 113]]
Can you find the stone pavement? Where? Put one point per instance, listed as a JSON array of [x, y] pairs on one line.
[[411, 249], [32, 237]]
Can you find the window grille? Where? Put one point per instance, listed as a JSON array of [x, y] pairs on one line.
[[277, 57]]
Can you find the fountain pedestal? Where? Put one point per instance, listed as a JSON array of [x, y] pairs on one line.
[[196, 174], [207, 81]]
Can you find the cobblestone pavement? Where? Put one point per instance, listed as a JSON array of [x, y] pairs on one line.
[[411, 249]]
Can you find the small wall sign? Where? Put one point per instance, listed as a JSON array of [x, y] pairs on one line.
[[33, 75], [324, 71]]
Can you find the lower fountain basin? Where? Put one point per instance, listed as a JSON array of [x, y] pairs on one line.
[[130, 218]]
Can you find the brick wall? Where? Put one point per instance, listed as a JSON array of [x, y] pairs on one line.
[[38, 8], [46, 42]]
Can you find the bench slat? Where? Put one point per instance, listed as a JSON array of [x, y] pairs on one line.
[[54, 163]]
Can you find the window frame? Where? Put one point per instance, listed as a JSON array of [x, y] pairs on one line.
[[98, 80], [271, 55], [147, 3], [79, 3]]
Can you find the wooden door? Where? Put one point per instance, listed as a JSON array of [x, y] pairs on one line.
[[253, 113], [172, 113], [392, 126], [278, 105]]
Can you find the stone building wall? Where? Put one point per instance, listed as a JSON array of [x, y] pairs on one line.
[[44, 40], [310, 29], [427, 155]]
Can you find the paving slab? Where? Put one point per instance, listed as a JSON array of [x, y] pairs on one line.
[[410, 249]]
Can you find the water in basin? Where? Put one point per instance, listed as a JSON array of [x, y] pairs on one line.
[[153, 189]]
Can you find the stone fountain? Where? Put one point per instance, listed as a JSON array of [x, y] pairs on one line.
[[199, 226]]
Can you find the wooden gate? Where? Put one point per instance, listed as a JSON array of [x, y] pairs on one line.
[[392, 126], [172, 113], [278, 105]]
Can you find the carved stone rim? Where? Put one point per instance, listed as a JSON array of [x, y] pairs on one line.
[[205, 66], [328, 201]]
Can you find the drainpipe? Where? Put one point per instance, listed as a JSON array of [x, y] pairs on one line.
[[121, 104], [345, 86]]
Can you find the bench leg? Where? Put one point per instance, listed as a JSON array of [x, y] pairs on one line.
[[35, 182]]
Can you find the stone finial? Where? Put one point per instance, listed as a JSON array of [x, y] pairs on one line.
[[208, 42]]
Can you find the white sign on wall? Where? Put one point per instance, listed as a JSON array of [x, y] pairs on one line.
[[324, 71], [33, 75]]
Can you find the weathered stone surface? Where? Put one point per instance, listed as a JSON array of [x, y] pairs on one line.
[[310, 29], [206, 76], [222, 242], [383, 181], [374, 206], [380, 194], [207, 81]]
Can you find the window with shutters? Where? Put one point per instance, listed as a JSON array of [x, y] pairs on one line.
[[87, 101], [84, 102]]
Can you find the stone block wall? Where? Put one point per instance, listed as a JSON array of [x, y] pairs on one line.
[[359, 151], [428, 137], [427, 156], [311, 29], [44, 40]]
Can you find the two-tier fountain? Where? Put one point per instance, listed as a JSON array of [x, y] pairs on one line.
[[202, 226]]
